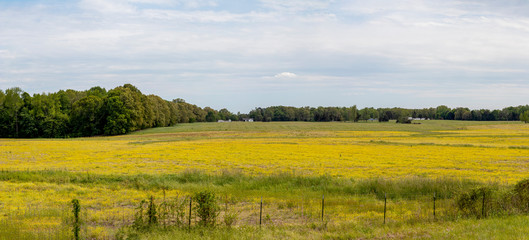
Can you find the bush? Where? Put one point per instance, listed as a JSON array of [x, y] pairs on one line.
[[230, 218], [521, 195], [139, 222], [207, 208], [403, 119], [76, 222], [151, 212], [471, 203]]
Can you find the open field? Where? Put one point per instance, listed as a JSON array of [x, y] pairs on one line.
[[290, 164], [365, 150]]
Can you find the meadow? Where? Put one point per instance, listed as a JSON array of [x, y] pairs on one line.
[[290, 164]]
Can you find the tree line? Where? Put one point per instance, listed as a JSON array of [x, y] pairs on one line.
[[71, 113], [319, 114]]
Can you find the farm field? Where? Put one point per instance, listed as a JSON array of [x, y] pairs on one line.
[[290, 164]]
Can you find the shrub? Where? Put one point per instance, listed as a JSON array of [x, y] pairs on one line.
[[471, 203], [76, 222], [403, 119], [230, 218], [138, 217], [151, 212], [521, 195], [207, 208]]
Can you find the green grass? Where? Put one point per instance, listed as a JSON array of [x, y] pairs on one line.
[[512, 227], [238, 184], [14, 227]]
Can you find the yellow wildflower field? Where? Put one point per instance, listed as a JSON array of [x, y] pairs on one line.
[[482, 152], [497, 153]]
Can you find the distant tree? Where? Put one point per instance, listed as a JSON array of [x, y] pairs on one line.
[[525, 117], [303, 114], [56, 120], [442, 112], [268, 114], [87, 116], [12, 103], [256, 114], [403, 119], [118, 117], [368, 113], [97, 91], [476, 115], [212, 115], [224, 114], [462, 114], [384, 116], [467, 115]]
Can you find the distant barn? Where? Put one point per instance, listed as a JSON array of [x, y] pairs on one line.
[[247, 119]]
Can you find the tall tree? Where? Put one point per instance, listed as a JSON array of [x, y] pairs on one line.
[[12, 103], [524, 117], [87, 116]]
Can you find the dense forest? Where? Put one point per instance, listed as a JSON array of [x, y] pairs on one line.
[[94, 112], [70, 113]]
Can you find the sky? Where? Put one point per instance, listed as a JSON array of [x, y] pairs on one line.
[[240, 55]]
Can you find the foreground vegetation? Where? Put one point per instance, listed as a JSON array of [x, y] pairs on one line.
[[290, 165], [292, 206]]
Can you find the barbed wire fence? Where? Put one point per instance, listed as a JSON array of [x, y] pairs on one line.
[[317, 212]]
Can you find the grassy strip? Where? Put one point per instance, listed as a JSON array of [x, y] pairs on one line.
[[239, 183], [510, 227]]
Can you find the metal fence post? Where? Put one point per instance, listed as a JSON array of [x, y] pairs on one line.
[[190, 202], [483, 206], [261, 212], [434, 206], [385, 202], [322, 206]]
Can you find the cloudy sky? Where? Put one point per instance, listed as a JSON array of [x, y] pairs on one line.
[[244, 54]]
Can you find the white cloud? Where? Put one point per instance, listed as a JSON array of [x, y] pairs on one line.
[[6, 54], [109, 6], [286, 75], [203, 16], [296, 5], [132, 6], [199, 3]]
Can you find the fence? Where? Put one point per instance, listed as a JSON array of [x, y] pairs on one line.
[[181, 211]]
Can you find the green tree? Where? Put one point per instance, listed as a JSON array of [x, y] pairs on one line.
[[12, 103], [524, 117], [206, 207], [87, 116], [441, 112], [118, 117], [212, 115], [55, 120], [368, 113], [403, 119]]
